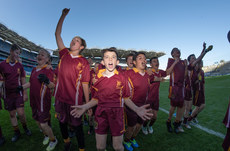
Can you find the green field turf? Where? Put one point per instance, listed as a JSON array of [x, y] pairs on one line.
[[217, 95]]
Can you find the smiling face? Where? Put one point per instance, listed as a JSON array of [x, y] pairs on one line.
[[76, 44], [110, 60], [140, 62], [14, 55], [155, 63], [42, 58]]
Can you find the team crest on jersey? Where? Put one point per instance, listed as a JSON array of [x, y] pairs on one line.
[[118, 85], [19, 71], [79, 66]]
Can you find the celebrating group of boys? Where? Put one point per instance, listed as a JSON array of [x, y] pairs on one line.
[[120, 95]]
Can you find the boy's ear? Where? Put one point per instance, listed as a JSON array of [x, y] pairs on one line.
[[82, 47], [102, 62], [134, 62], [118, 62]]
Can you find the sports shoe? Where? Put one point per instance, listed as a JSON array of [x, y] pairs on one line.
[[16, 137], [187, 126], [28, 132], [71, 133], [67, 146], [176, 127], [2, 141], [195, 121], [52, 145], [45, 140], [150, 129], [128, 146], [144, 130], [134, 143], [169, 127], [180, 129]]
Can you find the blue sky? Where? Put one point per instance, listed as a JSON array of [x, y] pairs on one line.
[[127, 24]]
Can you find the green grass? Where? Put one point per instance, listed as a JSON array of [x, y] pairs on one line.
[[217, 93]]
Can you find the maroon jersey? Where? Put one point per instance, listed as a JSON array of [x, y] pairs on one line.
[[110, 91], [72, 72], [139, 86], [12, 74], [198, 87], [177, 75], [40, 94], [226, 120], [154, 87]]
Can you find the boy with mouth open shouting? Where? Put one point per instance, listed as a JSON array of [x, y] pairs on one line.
[[111, 92]]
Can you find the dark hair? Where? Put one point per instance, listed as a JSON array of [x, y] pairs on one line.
[[112, 49], [189, 57], [15, 47], [137, 54], [174, 49], [152, 59], [129, 55]]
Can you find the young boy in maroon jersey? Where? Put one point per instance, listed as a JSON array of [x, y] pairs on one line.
[[153, 96], [111, 92], [40, 84], [192, 60], [14, 75], [198, 91], [226, 121], [72, 81], [129, 61], [176, 89], [139, 85], [2, 139]]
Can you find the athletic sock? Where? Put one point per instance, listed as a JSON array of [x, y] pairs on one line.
[[64, 130], [16, 129], [152, 122], [80, 136], [185, 120]]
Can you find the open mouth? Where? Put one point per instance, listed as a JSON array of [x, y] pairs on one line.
[[110, 65]]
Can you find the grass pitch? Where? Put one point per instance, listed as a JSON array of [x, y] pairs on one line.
[[217, 96]]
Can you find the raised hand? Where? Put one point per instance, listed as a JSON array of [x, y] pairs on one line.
[[65, 11]]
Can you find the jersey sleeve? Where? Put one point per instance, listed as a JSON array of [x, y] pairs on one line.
[[23, 72], [86, 74], [63, 52], [163, 73], [50, 75], [170, 62], [125, 90]]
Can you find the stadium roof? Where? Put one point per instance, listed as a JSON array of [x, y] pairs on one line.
[[13, 37]]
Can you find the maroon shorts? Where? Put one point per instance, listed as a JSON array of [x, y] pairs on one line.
[[63, 114], [154, 104], [13, 103], [132, 117], [109, 118], [176, 95], [41, 117], [198, 98], [226, 143], [188, 94]]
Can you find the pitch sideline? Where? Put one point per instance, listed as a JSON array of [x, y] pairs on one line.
[[209, 131]]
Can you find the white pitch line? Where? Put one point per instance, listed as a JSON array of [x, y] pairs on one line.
[[209, 131]]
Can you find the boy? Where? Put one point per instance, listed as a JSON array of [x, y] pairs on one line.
[[40, 84], [2, 139], [111, 92], [139, 85], [129, 61], [198, 91], [153, 96], [226, 121], [188, 88], [72, 81], [14, 76], [176, 90]]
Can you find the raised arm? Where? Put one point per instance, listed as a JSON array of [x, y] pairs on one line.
[[170, 69], [59, 40]]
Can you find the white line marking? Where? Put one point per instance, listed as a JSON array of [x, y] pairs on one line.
[[218, 134]]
